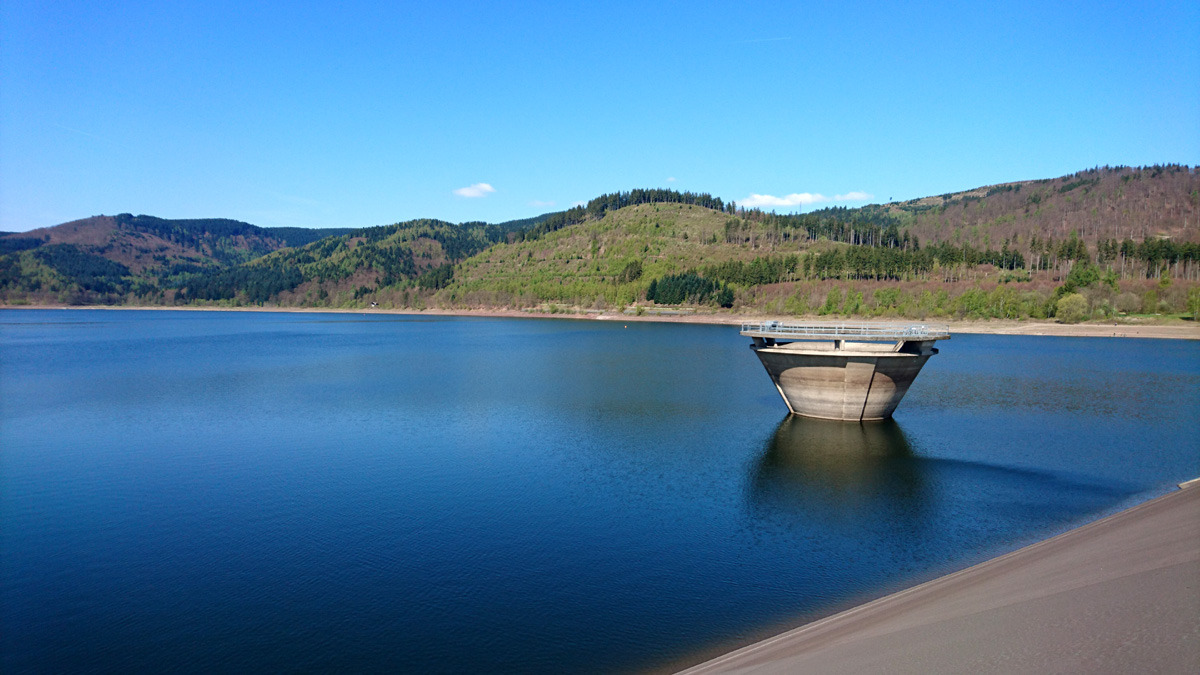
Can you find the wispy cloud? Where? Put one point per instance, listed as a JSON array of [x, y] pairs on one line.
[[538, 202], [794, 199], [671, 179], [476, 190], [802, 199]]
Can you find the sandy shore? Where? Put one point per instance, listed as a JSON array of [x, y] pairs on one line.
[[1121, 329], [1120, 595]]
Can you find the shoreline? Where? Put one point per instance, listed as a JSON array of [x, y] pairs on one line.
[[985, 327], [1116, 595]]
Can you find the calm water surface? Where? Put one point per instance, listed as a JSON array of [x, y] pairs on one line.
[[188, 492]]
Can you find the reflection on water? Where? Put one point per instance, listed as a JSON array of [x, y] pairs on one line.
[[836, 467], [863, 491]]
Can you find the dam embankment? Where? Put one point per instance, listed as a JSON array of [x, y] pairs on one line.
[[1119, 595]]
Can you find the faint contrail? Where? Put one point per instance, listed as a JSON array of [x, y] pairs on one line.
[[84, 133], [746, 42]]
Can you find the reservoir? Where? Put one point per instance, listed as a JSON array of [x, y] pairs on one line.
[[199, 491]]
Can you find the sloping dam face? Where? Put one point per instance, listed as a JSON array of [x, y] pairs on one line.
[[843, 380]]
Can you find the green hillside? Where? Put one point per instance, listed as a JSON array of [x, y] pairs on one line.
[[404, 260], [1117, 240], [870, 261], [601, 262]]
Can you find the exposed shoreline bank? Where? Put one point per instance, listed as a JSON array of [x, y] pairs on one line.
[[1110, 329], [1116, 595]]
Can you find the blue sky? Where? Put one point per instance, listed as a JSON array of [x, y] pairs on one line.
[[357, 113]]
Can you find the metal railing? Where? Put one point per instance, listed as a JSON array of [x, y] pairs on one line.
[[845, 330]]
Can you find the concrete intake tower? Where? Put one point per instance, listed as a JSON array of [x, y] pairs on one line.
[[852, 371]]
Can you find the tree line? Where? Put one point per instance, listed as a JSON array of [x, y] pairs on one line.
[[597, 207], [1148, 259], [257, 284], [862, 262], [676, 289]]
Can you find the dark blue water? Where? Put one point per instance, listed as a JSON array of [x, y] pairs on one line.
[[190, 492]]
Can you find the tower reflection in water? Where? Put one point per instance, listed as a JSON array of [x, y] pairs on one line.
[[839, 471]]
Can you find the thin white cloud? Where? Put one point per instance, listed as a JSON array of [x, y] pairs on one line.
[[801, 199], [476, 190], [671, 179], [794, 199], [537, 202]]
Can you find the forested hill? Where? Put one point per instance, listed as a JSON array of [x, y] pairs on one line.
[[299, 236], [1103, 203], [408, 258], [1115, 239], [141, 242], [651, 248], [107, 258]]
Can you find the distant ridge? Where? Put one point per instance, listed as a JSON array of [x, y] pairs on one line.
[[299, 236], [1116, 202], [526, 223], [1118, 239]]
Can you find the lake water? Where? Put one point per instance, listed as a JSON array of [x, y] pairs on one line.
[[194, 491]]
